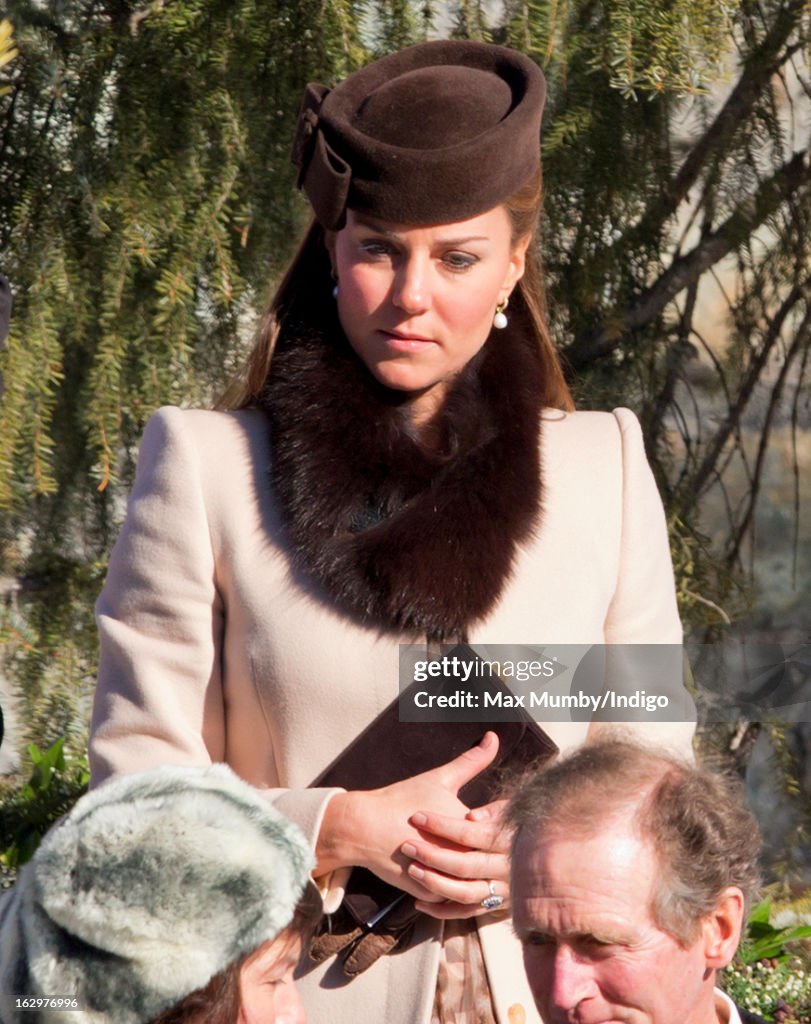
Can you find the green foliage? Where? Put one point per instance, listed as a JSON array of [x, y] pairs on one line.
[[698, 578], [398, 23], [49, 647], [641, 47], [147, 203], [767, 977], [765, 941], [150, 200], [470, 21], [57, 781], [775, 991], [680, 47]]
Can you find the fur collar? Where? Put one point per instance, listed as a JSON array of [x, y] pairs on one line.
[[402, 537]]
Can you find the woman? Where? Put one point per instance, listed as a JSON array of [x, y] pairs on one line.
[[380, 482], [172, 896]]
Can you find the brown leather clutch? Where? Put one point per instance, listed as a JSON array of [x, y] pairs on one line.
[[390, 750]]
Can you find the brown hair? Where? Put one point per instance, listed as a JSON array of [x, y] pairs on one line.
[[305, 295], [704, 836], [524, 210], [219, 1001]]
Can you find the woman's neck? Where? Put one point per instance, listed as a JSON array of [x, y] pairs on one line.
[[424, 407]]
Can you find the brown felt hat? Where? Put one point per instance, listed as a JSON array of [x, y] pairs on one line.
[[435, 133]]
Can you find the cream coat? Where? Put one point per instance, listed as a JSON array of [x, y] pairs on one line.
[[212, 650]]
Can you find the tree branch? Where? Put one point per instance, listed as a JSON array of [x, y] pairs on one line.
[[692, 490], [801, 340], [686, 269], [757, 72]]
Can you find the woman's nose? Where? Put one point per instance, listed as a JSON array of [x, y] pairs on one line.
[[411, 289]]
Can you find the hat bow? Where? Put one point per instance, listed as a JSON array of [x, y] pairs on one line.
[[323, 174]]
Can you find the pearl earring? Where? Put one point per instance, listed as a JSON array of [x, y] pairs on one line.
[[335, 291], [500, 319]]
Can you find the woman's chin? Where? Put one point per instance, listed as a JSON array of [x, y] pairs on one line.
[[403, 378]]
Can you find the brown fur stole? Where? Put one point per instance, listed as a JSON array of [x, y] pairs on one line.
[[403, 537]]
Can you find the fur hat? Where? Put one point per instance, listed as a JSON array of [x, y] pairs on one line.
[[435, 133], [151, 885]]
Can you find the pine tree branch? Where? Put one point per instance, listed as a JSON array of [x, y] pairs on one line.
[[16, 89], [684, 270], [41, 18], [757, 72]]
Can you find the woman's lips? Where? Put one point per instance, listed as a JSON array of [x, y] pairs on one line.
[[403, 342]]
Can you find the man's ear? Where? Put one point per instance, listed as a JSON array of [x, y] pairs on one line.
[[721, 928]]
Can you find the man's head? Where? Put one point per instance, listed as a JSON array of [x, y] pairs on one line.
[[631, 874]]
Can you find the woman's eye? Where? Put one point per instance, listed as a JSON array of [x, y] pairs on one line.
[[376, 249], [459, 260]]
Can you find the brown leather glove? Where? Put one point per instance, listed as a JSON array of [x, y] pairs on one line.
[[347, 934], [336, 933]]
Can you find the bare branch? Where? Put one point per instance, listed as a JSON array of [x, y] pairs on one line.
[[707, 469], [799, 343], [685, 270]]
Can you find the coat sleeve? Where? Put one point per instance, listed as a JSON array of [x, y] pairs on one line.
[[643, 612], [159, 698]]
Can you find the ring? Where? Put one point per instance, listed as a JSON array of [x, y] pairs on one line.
[[492, 901]]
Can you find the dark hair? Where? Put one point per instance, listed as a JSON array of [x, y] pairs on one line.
[[305, 295], [219, 1002], [704, 836], [524, 210]]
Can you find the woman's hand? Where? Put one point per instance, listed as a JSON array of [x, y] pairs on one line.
[[369, 829], [460, 861]]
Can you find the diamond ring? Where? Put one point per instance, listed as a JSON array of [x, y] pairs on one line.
[[492, 901]]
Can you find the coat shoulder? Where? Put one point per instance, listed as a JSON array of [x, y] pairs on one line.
[[591, 442], [223, 446], [207, 427], [589, 426], [219, 459]]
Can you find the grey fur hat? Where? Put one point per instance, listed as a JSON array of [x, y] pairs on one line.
[[149, 887]]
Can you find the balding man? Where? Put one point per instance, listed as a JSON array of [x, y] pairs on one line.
[[631, 876]]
